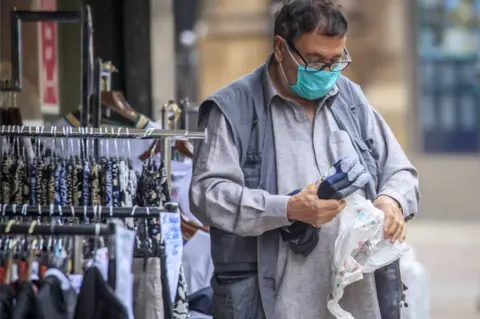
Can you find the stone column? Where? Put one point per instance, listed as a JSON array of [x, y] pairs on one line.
[[234, 39], [162, 45]]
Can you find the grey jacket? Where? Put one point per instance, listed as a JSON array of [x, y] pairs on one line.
[[245, 211]]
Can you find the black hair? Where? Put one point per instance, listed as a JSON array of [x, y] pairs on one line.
[[296, 17]]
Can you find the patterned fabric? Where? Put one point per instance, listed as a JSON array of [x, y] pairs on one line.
[[95, 185], [132, 187], [124, 174], [86, 182], [50, 168], [26, 185], [164, 183], [57, 177], [78, 183], [63, 184], [69, 178], [115, 183], [33, 182], [41, 189], [6, 178], [180, 306], [19, 182], [106, 182]]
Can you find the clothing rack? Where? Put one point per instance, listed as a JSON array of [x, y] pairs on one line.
[[97, 102], [85, 211], [12, 228], [98, 132], [33, 228]]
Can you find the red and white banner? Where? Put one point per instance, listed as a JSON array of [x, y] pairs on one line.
[[48, 53]]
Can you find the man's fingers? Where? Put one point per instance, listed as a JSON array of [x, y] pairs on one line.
[[388, 223], [398, 234], [403, 234], [312, 188], [333, 204], [392, 229]]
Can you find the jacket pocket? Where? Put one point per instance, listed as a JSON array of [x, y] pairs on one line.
[[368, 158], [251, 169], [341, 145], [234, 299]]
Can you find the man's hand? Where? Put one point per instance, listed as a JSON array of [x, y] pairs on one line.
[[306, 207], [395, 228]]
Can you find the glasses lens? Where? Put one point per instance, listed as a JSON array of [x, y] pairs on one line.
[[335, 67], [315, 67], [338, 66]]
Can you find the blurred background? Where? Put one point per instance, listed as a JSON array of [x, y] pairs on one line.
[[416, 60]]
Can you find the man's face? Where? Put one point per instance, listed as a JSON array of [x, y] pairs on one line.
[[310, 48]]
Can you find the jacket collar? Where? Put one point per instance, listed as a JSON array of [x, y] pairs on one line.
[[269, 90]]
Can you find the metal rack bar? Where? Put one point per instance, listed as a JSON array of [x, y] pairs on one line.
[[97, 102], [53, 229], [57, 16], [167, 144], [93, 132], [85, 211], [86, 63]]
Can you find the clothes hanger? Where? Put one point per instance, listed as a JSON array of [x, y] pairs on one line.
[[187, 231], [190, 226], [185, 148], [116, 102]]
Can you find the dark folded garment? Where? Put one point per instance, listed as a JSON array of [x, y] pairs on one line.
[[201, 301], [345, 177]]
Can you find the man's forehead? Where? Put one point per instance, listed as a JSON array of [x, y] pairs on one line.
[[314, 44]]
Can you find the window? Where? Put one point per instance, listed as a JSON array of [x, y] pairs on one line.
[[449, 95]]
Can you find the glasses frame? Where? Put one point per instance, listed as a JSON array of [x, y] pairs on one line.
[[328, 65]]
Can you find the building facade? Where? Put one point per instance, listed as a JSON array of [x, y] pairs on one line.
[[414, 60]]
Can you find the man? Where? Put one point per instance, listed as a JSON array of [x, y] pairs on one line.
[[279, 129]]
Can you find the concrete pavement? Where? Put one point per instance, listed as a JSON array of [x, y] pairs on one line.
[[451, 253]]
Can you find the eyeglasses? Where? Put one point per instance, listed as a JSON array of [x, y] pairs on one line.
[[313, 67]]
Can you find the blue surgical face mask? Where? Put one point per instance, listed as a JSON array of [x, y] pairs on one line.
[[312, 85]]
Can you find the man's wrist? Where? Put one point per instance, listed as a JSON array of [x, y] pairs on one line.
[[387, 200]]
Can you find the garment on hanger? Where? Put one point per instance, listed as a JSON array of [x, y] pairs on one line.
[[69, 181], [181, 306], [97, 300], [34, 281], [56, 298], [136, 147], [147, 294]]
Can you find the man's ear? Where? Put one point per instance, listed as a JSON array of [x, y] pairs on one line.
[[278, 44]]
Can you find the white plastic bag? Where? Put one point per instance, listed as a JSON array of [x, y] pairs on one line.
[[359, 248]]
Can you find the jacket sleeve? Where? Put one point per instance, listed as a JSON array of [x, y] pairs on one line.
[[218, 196], [398, 178]]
